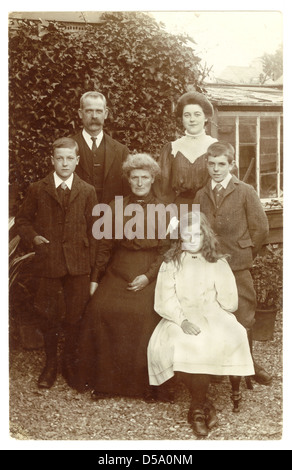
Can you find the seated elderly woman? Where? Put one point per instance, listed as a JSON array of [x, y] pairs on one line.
[[120, 316]]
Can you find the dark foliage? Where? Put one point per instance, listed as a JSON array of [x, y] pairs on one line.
[[135, 63], [267, 273]]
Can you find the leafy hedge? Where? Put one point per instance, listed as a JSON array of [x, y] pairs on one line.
[[139, 67]]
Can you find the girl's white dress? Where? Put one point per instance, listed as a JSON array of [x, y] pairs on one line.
[[205, 294]]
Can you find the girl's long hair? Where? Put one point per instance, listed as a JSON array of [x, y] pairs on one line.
[[210, 248]]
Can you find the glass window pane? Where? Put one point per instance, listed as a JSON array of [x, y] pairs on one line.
[[268, 144], [268, 186], [268, 155], [226, 129], [269, 126], [247, 164], [247, 130]]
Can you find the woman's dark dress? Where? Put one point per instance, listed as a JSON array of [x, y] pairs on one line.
[[180, 179], [118, 323]]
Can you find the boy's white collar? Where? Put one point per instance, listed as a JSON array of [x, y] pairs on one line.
[[59, 181], [224, 183]]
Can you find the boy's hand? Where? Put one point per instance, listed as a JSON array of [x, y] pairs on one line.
[[38, 240], [92, 288], [190, 328], [138, 283]]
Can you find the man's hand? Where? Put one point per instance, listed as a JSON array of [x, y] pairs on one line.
[[190, 328], [138, 283], [39, 240]]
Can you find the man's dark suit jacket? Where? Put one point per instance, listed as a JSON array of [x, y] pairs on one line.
[[115, 153], [71, 247], [240, 221]]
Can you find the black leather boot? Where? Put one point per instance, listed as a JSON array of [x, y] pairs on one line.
[[49, 373], [70, 354], [236, 394], [210, 415], [198, 416], [261, 375], [197, 420]]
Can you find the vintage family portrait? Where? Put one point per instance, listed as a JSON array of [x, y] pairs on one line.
[[146, 157]]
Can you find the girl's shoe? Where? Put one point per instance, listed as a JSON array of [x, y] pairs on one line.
[[196, 418], [210, 415]]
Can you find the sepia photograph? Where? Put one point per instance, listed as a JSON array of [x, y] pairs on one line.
[[145, 229]]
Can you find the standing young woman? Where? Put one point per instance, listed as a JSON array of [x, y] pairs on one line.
[[182, 162]]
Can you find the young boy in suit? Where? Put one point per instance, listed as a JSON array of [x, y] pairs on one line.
[[56, 218], [239, 220]]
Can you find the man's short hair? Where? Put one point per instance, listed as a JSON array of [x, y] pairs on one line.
[[92, 94]]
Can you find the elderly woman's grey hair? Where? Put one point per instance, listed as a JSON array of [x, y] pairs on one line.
[[140, 161]]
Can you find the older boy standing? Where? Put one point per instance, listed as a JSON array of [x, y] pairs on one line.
[[56, 218], [237, 217]]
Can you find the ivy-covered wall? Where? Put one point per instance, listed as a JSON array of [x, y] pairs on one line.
[[135, 63]]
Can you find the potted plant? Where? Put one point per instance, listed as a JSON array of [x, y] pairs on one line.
[[267, 274]]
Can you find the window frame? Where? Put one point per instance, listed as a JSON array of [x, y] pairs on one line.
[[258, 115]]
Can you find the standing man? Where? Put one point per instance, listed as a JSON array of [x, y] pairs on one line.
[[101, 157]]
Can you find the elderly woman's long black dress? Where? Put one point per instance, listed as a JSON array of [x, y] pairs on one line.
[[118, 323]]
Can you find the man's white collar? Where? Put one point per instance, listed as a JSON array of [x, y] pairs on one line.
[[88, 139]]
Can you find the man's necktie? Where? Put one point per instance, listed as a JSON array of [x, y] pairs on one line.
[[96, 158], [94, 146]]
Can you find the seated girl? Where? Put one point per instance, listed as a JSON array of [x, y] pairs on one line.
[[198, 335]]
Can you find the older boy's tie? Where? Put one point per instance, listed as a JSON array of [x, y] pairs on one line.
[[64, 193], [218, 192]]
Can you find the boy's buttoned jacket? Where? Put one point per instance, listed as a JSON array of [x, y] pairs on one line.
[[239, 221], [71, 247]]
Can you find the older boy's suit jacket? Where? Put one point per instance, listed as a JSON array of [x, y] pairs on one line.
[[71, 248], [239, 221], [114, 184]]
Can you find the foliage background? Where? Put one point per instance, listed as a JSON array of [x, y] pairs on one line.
[[142, 70], [138, 66]]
